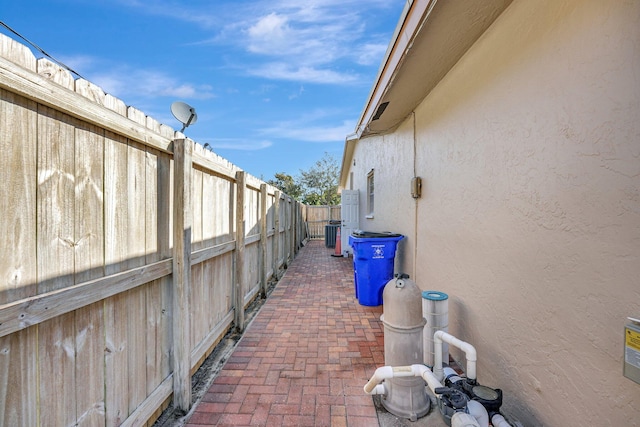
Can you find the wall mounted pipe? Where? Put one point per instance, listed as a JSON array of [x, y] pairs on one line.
[[468, 349]]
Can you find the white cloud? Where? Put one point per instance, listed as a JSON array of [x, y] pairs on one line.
[[268, 29], [306, 41], [310, 41], [236, 144], [304, 130], [297, 94], [125, 82], [283, 71]]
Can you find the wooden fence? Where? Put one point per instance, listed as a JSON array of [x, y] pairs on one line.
[[127, 251], [319, 216]]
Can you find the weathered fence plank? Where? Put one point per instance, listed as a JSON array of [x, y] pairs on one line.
[[89, 346], [55, 200], [56, 371], [116, 229], [18, 378], [136, 257], [18, 173], [89, 265]]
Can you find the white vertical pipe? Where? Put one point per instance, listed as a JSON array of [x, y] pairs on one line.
[[468, 349]]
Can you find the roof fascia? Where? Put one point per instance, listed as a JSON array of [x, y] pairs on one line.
[[411, 20]]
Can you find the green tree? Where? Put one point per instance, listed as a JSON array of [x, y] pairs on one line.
[[316, 186], [320, 182], [287, 184]]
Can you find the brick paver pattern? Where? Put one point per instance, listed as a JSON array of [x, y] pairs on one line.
[[306, 356]]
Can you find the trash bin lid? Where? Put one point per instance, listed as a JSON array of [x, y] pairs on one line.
[[374, 234]]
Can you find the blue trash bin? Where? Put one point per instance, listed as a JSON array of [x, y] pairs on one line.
[[373, 259]]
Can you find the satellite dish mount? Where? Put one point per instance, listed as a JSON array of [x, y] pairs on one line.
[[185, 114]]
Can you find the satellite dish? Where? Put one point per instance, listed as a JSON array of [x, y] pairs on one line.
[[185, 114]]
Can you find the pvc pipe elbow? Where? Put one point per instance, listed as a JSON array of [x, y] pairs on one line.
[[428, 376], [382, 373], [468, 349], [479, 412], [462, 419]]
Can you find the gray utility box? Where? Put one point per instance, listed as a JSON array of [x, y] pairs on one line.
[[632, 350]]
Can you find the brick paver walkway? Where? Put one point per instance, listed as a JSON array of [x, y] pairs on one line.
[[305, 357]]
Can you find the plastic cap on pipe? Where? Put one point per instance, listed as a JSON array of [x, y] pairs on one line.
[[434, 295]]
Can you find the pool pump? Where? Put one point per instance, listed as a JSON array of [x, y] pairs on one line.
[[458, 391]]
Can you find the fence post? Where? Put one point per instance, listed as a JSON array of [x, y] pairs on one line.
[[239, 252], [182, 217], [292, 232], [263, 240], [276, 235], [287, 233], [298, 231]]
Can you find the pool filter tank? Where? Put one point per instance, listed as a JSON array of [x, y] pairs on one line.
[[403, 326]]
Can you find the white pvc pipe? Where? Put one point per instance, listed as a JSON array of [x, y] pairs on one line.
[[462, 419], [427, 376], [387, 372], [469, 351], [479, 412], [381, 374], [498, 421], [379, 389]]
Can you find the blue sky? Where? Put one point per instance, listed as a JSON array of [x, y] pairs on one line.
[[275, 83]]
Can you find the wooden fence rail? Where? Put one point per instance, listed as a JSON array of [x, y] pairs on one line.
[[128, 251]]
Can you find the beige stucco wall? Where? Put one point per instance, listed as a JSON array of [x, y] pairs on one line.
[[530, 154], [392, 159]]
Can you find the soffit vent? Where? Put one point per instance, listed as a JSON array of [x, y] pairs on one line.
[[380, 110]]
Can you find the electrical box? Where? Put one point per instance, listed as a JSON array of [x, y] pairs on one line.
[[416, 187], [632, 350]]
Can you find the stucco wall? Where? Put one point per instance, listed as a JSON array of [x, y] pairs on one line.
[[530, 154], [392, 160]]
